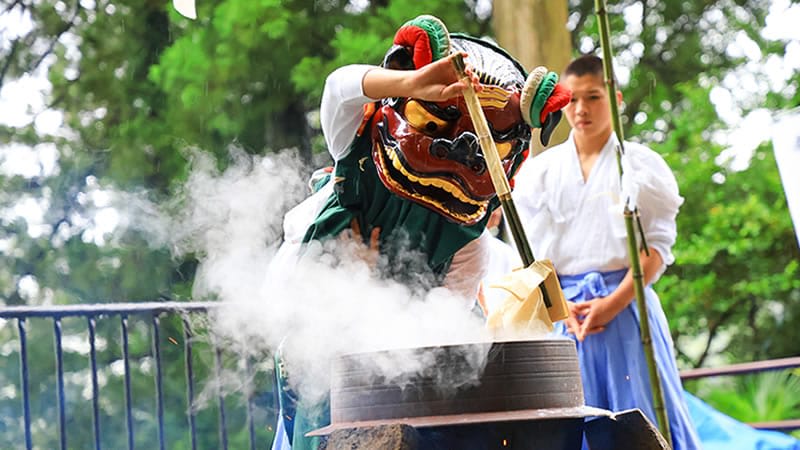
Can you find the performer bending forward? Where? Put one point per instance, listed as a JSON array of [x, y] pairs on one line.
[[410, 178]]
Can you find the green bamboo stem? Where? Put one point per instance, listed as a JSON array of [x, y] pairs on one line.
[[644, 326], [633, 250]]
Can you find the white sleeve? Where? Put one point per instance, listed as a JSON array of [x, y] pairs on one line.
[[298, 219], [470, 265], [341, 110], [658, 200]]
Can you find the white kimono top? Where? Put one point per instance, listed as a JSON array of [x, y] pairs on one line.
[[579, 224]]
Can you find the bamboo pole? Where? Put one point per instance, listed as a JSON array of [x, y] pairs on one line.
[[496, 171], [633, 250]]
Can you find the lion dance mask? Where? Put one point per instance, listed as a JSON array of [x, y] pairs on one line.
[[428, 152]]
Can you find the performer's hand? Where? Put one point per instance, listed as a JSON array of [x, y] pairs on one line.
[[369, 254], [482, 299], [576, 330], [438, 81]]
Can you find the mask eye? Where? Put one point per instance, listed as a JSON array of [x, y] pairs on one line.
[[504, 149], [419, 118]]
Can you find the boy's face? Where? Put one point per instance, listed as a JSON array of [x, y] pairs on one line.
[[588, 111]]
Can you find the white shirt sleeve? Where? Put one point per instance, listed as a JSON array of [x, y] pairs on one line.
[[578, 223], [539, 205], [298, 219], [658, 200], [342, 108]]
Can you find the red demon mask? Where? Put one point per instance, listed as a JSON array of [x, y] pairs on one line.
[[428, 152]]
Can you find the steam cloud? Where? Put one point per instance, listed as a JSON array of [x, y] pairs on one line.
[[326, 303]]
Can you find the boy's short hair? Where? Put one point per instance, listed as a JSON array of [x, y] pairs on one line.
[[585, 65]]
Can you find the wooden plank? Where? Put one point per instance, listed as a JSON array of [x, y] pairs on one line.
[[777, 425], [742, 368]]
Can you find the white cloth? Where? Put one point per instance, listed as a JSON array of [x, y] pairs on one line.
[[579, 224], [503, 259], [281, 439], [295, 225]]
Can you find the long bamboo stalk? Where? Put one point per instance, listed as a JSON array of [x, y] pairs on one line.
[[638, 278], [496, 171]]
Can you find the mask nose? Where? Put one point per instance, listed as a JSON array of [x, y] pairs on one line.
[[465, 150]]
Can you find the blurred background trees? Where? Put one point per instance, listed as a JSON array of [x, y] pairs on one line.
[[114, 91]]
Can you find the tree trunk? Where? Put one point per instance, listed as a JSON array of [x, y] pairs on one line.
[[535, 32]]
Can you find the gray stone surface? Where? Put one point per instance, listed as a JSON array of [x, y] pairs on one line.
[[386, 437]]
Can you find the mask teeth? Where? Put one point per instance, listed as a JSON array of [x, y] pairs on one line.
[[487, 79]]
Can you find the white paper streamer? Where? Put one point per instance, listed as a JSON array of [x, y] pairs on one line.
[[185, 8], [629, 185], [786, 144]]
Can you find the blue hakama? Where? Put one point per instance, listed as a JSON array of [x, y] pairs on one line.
[[613, 365]]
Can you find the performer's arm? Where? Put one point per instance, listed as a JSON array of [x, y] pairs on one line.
[[436, 81], [342, 108], [349, 88]]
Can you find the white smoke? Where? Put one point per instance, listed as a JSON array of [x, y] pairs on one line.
[[316, 307]]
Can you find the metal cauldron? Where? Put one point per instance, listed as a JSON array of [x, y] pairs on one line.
[[528, 395]]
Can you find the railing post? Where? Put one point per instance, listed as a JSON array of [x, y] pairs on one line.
[[187, 345], [127, 370], [159, 381], [62, 429], [249, 379], [23, 368], [95, 389], [223, 431]]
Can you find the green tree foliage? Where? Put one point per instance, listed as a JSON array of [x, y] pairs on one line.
[[253, 73], [767, 396]]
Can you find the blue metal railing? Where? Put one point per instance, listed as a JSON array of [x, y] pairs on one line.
[[257, 431], [150, 313], [746, 369]]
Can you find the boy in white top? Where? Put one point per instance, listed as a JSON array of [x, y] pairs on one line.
[[569, 200]]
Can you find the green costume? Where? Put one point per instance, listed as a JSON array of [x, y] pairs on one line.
[[359, 194]]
